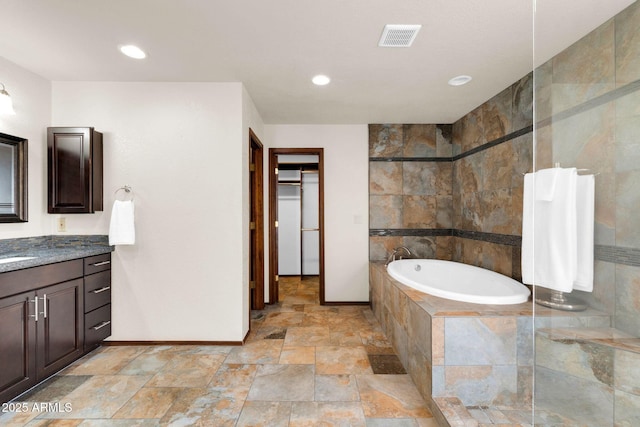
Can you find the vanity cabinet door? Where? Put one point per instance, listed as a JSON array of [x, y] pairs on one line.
[[74, 170], [17, 345], [61, 327]]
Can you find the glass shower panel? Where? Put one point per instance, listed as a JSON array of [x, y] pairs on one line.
[[587, 116]]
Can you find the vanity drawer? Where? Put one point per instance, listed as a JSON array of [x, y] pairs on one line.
[[18, 281], [97, 263], [97, 290], [97, 326]]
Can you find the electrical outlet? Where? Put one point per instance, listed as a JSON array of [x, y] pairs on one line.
[[62, 224]]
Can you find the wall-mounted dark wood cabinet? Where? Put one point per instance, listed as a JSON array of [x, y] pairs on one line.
[[75, 170]]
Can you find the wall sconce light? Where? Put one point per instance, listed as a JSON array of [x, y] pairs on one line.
[[6, 105]]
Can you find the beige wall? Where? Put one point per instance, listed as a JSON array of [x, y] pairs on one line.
[[182, 149], [345, 201], [31, 95]]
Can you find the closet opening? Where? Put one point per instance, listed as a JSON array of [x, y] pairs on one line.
[[296, 226]]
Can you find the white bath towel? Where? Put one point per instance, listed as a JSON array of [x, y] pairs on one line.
[[549, 233], [546, 184], [122, 228], [585, 204]]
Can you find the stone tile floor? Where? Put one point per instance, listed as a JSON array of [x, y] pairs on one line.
[[302, 365]]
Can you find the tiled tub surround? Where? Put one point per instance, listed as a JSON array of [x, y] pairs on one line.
[[51, 249], [460, 198], [478, 355]]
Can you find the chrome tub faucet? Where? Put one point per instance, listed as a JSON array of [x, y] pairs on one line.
[[396, 253]]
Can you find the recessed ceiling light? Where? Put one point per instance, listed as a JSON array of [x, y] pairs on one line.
[[321, 80], [133, 51], [459, 80]]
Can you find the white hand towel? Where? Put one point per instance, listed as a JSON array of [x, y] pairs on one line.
[[585, 220], [121, 228], [549, 249]]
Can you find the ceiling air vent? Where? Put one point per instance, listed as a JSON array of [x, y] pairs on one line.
[[398, 35]]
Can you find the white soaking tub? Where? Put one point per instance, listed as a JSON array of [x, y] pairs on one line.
[[458, 282]]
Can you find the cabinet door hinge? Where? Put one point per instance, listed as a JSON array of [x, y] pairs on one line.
[[252, 284], [276, 224], [277, 277], [276, 170], [252, 167], [252, 225]]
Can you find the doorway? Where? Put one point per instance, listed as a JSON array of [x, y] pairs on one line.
[[296, 229], [256, 224]]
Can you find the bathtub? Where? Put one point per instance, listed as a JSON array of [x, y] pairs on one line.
[[457, 281]]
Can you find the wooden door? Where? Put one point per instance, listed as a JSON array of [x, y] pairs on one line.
[[61, 328], [256, 227], [17, 345]]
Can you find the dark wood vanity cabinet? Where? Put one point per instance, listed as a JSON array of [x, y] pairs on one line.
[[97, 300], [49, 317], [74, 170]]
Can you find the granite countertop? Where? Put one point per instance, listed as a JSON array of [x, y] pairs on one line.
[[50, 249]]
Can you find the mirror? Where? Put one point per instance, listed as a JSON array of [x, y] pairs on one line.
[[13, 179]]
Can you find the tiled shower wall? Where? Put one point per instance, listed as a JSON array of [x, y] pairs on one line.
[[492, 150], [588, 116], [454, 191], [410, 189]]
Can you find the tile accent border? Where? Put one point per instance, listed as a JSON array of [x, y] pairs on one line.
[[591, 103], [485, 146], [418, 232], [410, 159], [618, 255], [502, 239], [497, 141]]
